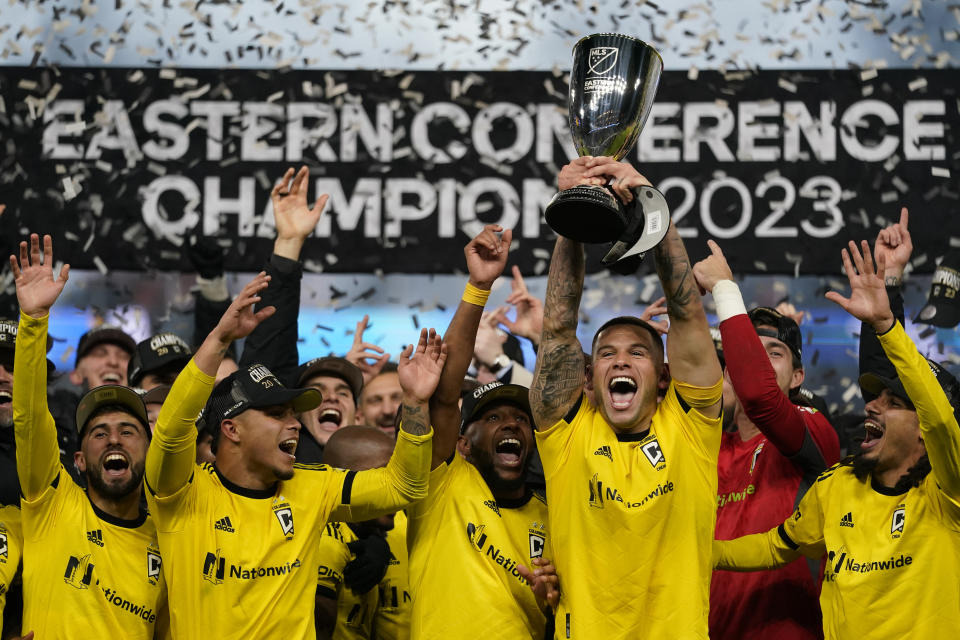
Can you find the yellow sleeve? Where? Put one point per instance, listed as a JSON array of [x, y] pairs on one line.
[[800, 534], [938, 422], [376, 492], [38, 453], [333, 557], [173, 450], [438, 482]]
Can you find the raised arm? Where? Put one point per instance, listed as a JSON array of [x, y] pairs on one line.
[[559, 376], [751, 373], [172, 452], [38, 451], [274, 342], [937, 417], [388, 489], [486, 257], [690, 351]]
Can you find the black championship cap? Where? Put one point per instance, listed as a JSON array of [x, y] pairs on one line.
[[875, 384], [254, 387], [161, 351], [943, 302], [481, 398], [8, 344], [335, 367], [104, 334], [785, 329], [111, 394]]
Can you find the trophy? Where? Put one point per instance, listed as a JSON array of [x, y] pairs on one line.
[[612, 84]]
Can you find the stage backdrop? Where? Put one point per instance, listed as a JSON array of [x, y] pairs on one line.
[[782, 168]]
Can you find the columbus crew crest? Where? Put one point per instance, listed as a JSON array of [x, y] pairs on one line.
[[285, 517]]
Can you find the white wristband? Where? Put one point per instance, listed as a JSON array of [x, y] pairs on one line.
[[729, 301]]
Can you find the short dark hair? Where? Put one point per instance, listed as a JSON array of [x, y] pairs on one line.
[[628, 320], [113, 408]]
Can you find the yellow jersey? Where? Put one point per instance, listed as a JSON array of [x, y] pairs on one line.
[[355, 613], [464, 550], [11, 544], [86, 574], [892, 560], [251, 556], [395, 603], [633, 518]]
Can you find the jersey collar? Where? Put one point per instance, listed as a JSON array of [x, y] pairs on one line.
[[119, 522], [515, 503], [632, 437], [259, 494]]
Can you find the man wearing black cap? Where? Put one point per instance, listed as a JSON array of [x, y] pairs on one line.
[[242, 535], [479, 515], [340, 383], [91, 564], [103, 356], [157, 360], [887, 519], [766, 463]]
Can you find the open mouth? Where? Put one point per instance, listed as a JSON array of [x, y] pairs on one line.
[[873, 433], [6, 396], [111, 378], [115, 464], [289, 447], [510, 451], [622, 392], [329, 418]]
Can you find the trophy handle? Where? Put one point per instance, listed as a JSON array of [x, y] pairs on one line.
[[646, 228]]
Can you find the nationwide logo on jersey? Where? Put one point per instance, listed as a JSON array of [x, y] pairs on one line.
[[493, 505], [654, 454], [847, 520], [596, 492], [899, 518], [476, 535], [153, 564], [756, 454], [214, 567], [224, 524], [841, 561], [604, 451], [4, 546], [285, 517], [96, 537], [79, 573]]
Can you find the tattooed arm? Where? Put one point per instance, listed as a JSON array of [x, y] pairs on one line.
[[559, 376]]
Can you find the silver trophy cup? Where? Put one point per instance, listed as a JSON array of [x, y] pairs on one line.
[[613, 82]]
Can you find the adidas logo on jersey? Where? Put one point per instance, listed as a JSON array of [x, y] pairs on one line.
[[847, 520], [604, 451], [96, 537], [493, 505], [224, 524]]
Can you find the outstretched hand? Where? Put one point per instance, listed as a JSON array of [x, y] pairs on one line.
[[420, 366], [894, 247], [239, 320], [712, 269], [294, 220], [366, 356], [487, 255], [529, 318], [543, 581], [868, 300], [36, 288]]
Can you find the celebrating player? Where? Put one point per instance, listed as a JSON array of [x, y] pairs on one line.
[[888, 517], [243, 535], [479, 515], [91, 564], [632, 484], [776, 452]]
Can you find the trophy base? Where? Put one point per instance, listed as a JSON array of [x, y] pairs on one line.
[[586, 213]]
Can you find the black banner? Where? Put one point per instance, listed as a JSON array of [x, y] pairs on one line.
[[781, 168]]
